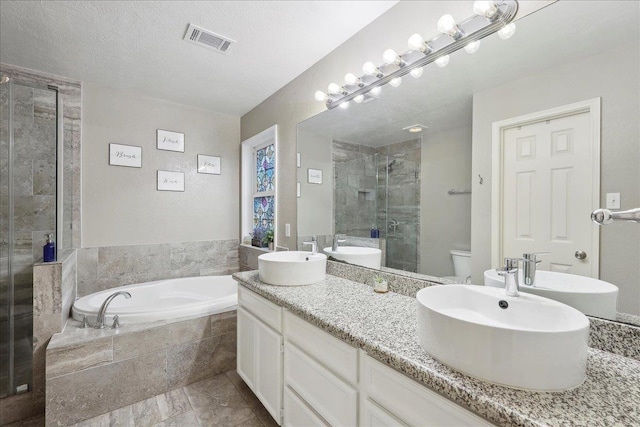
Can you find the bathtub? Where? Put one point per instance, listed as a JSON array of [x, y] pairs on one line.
[[163, 300]]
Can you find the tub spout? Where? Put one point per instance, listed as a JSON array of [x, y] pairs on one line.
[[103, 309]]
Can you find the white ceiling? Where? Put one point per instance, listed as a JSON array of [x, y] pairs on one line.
[[138, 46], [442, 98]]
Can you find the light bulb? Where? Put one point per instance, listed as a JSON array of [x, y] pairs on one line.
[[334, 89], [484, 8], [416, 72], [472, 47], [396, 82], [443, 61], [370, 69], [376, 91], [351, 79], [358, 99], [416, 42], [507, 31], [344, 105], [447, 25], [390, 57], [321, 96]]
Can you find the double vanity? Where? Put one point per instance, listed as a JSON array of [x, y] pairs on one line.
[[337, 353]]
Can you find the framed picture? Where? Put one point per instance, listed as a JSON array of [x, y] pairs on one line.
[[170, 181], [209, 164], [169, 141], [314, 176], [125, 155]]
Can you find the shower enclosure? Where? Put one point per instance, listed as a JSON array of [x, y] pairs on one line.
[[380, 187], [29, 134]]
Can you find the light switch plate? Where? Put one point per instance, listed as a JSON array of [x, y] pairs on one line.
[[287, 230], [613, 200]]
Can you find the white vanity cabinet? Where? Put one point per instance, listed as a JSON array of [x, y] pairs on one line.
[[260, 348], [307, 377]]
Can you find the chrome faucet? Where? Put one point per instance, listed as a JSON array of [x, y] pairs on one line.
[[529, 266], [510, 274], [605, 216], [314, 245], [337, 240], [103, 308]]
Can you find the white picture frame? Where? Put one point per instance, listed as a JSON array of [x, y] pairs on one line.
[[170, 181], [169, 141], [209, 164], [129, 156], [314, 176]]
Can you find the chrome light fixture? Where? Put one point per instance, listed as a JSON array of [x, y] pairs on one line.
[[489, 17]]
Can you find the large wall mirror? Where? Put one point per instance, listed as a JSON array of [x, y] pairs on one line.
[[520, 141]]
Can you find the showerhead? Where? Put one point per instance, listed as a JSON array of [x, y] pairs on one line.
[[4, 79]]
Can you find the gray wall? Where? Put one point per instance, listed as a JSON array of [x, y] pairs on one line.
[[614, 77], [121, 206], [445, 220]]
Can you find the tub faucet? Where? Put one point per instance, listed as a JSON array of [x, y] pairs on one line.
[[337, 239], [314, 245], [103, 308], [510, 274]]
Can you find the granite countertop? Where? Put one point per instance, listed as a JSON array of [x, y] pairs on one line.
[[385, 326]]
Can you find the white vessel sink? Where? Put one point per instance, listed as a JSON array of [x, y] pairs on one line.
[[535, 343], [366, 257], [591, 296], [292, 268]]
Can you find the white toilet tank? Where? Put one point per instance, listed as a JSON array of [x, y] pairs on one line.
[[461, 263]]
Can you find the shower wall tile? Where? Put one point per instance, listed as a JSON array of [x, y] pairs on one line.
[[114, 266], [44, 178], [67, 360], [35, 213]]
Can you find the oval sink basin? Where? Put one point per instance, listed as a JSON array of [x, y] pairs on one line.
[[366, 257], [534, 343], [591, 296], [292, 268]]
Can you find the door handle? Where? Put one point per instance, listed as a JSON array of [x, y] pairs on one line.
[[580, 254]]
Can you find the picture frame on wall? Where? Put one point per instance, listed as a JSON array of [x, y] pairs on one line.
[[209, 164], [169, 141], [170, 181], [129, 156], [314, 176]]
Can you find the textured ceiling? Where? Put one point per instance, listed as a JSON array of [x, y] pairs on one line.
[[138, 46]]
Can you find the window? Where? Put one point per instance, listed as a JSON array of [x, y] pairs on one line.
[[259, 172]]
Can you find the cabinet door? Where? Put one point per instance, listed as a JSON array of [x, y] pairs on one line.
[[268, 379], [246, 364]]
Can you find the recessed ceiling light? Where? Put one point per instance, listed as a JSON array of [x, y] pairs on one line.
[[415, 128]]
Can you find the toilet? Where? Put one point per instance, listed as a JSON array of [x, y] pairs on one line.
[[461, 266]]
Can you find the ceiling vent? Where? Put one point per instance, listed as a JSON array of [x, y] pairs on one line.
[[208, 39]]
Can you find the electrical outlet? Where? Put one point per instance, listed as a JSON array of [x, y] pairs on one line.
[[287, 230], [613, 200]]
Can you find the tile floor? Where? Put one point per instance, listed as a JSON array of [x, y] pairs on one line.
[[224, 400]]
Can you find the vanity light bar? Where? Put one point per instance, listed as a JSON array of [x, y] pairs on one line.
[[490, 17]]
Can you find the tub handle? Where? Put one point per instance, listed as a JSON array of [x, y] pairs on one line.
[[116, 322]]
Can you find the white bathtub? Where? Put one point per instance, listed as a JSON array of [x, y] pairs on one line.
[[163, 300]]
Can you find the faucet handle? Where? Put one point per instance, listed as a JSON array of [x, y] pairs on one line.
[[116, 322], [531, 256], [510, 264], [85, 321]]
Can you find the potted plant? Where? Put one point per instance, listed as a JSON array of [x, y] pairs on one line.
[[380, 285], [267, 240], [256, 240]]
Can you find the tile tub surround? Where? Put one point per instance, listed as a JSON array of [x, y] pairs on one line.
[[91, 372], [113, 266], [385, 326]]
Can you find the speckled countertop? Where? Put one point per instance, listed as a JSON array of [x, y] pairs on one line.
[[384, 325]]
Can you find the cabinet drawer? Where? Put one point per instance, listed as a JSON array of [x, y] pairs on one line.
[[374, 416], [297, 413], [410, 401], [338, 356], [328, 395], [260, 307]]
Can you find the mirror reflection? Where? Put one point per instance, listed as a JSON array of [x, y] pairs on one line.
[[502, 153]]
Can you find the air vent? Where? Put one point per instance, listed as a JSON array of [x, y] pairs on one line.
[[208, 39]]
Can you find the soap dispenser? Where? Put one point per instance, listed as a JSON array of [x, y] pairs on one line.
[[49, 250]]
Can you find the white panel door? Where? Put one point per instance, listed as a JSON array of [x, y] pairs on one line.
[[547, 194]]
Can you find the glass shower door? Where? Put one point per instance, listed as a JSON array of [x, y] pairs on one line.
[[5, 291]]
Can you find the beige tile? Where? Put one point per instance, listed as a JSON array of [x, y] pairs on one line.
[[251, 422], [146, 412], [47, 292], [99, 421], [99, 390], [173, 403], [220, 405], [133, 344], [122, 417], [188, 419], [134, 259], [87, 270], [67, 360], [243, 389], [223, 323], [194, 361]]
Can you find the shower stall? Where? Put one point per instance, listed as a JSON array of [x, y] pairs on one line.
[[30, 128]]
